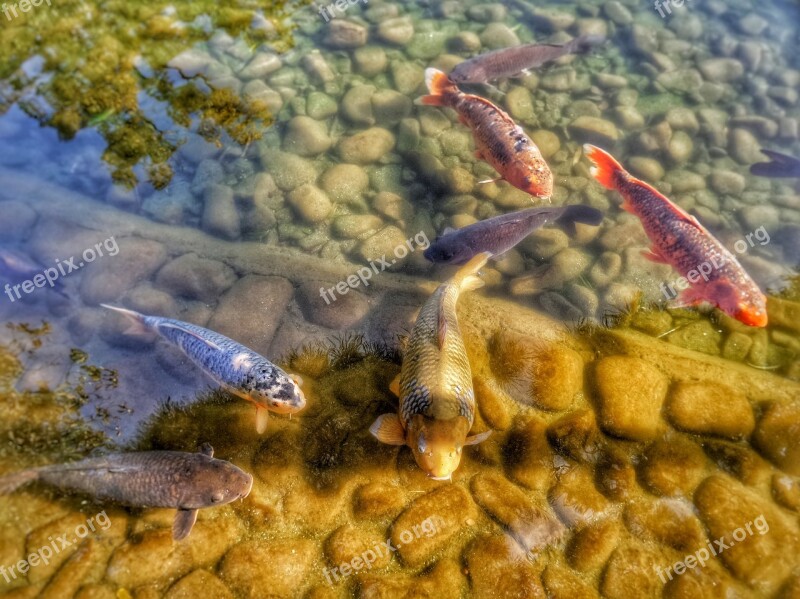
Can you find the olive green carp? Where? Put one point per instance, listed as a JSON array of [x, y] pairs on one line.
[[169, 479], [437, 402]]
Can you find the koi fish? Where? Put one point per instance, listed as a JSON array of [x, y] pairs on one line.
[[499, 140], [172, 479], [499, 234], [682, 242], [236, 368], [437, 402], [513, 62], [780, 165]]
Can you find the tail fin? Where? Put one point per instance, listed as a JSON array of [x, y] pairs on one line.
[[467, 277], [579, 214], [12, 482], [606, 170], [137, 326], [782, 165], [439, 85]]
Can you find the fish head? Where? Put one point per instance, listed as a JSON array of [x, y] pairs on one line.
[[532, 176], [281, 394], [215, 482], [745, 303], [449, 252], [437, 444]]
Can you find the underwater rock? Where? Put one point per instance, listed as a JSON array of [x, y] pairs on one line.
[[498, 35], [220, 216], [393, 206], [727, 182], [562, 583], [556, 377], [430, 522], [193, 277], [706, 409], [378, 500], [615, 475], [673, 466], [288, 170], [786, 491], [320, 106], [306, 137], [607, 268], [575, 498], [343, 312], [356, 226], [356, 105], [113, 276], [721, 70], [366, 146], [738, 460], [528, 457], [426, 45], [519, 103], [345, 35], [311, 203], [776, 436], [670, 522], [263, 300], [16, 221], [397, 31], [390, 107], [744, 147], [548, 142], [348, 543], [591, 545], [594, 130], [261, 65], [761, 557], [283, 566], [576, 436], [631, 393], [345, 183], [533, 527], [680, 147], [618, 13], [200, 583], [370, 61], [629, 573], [498, 569], [408, 77], [444, 580], [318, 68], [382, 245]]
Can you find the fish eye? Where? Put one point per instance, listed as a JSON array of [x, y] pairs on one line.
[[217, 497]]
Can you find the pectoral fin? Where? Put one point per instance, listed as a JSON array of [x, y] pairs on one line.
[[388, 429], [183, 523], [394, 386], [475, 439], [654, 256], [262, 418]]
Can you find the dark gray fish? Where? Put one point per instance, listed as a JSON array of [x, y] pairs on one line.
[[171, 479], [237, 368], [499, 234], [781, 165], [512, 62]]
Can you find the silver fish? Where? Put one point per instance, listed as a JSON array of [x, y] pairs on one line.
[[512, 62], [236, 368], [499, 234], [170, 479]]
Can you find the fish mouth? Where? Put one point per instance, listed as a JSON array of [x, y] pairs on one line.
[[248, 488], [449, 477]]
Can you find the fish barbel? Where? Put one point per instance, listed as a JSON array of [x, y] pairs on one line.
[[437, 402], [682, 242], [235, 367], [498, 139], [170, 479]]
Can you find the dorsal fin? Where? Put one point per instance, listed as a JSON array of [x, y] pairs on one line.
[[177, 327]]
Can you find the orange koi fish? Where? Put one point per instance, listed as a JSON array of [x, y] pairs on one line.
[[499, 140], [678, 239]]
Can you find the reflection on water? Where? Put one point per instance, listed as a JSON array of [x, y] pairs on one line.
[[248, 160]]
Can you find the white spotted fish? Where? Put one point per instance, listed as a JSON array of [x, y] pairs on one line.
[[437, 402], [236, 368]]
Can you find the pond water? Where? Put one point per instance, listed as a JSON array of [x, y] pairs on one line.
[[267, 171]]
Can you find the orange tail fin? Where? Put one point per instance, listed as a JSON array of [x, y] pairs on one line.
[[438, 84], [605, 168]]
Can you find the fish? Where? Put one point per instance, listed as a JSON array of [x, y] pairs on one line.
[[238, 369], [678, 239], [780, 165], [16, 266], [437, 401], [513, 62], [168, 479], [499, 234], [498, 139]]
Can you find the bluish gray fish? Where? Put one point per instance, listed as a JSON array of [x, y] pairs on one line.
[[16, 266], [499, 234], [516, 61], [236, 368], [170, 479], [780, 165]]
